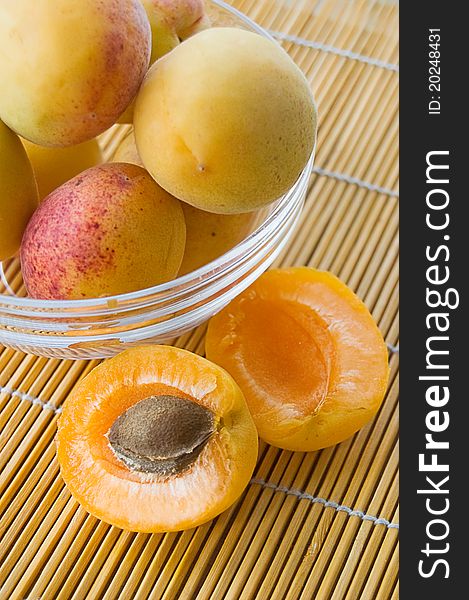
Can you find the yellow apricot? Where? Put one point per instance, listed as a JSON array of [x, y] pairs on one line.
[[226, 121], [54, 166], [18, 192], [209, 235], [171, 21]]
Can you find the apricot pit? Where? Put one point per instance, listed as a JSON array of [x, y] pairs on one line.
[[146, 439]]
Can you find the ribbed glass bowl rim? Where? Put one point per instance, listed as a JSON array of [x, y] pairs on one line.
[[172, 289]]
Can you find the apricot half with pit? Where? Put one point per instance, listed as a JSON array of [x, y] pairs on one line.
[[156, 439], [307, 354]]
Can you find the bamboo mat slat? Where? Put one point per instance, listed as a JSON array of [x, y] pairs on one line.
[[320, 525]]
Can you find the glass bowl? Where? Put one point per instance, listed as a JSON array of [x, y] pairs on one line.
[[101, 327]]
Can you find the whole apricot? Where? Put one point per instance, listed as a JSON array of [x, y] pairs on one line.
[[307, 354], [18, 192], [226, 121], [109, 230], [172, 21], [156, 439], [69, 69], [54, 166], [208, 235]]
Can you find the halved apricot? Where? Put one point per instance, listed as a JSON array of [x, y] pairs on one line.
[[156, 439], [307, 354]]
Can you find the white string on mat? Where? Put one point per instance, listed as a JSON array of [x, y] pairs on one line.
[[265, 484], [326, 503], [13, 392], [375, 62], [355, 181], [31, 399]]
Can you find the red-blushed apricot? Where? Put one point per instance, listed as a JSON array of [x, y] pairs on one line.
[[156, 439], [172, 21], [69, 69], [307, 354], [109, 230]]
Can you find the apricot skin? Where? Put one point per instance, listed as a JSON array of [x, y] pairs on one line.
[[54, 166], [208, 235], [307, 354], [111, 491], [109, 230], [255, 123], [70, 69], [18, 192]]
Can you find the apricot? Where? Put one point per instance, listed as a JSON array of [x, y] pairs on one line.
[[69, 69], [226, 121], [208, 235], [54, 166], [18, 192], [127, 151], [171, 21], [307, 354], [109, 230], [156, 439]]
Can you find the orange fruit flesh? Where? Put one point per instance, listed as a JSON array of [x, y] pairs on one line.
[[307, 355], [137, 501]]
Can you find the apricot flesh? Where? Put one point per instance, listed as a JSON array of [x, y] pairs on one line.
[[109, 230], [18, 192], [114, 491], [254, 128], [54, 166], [307, 354], [208, 235], [69, 69]]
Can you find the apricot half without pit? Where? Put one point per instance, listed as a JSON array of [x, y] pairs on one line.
[[307, 354], [156, 439]]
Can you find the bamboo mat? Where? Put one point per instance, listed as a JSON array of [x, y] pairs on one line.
[[319, 525]]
